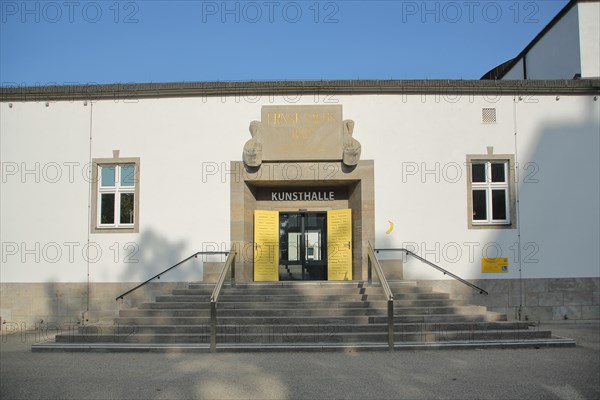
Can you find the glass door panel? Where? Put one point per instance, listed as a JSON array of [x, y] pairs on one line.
[[302, 246]]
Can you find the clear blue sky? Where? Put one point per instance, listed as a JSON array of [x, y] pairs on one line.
[[82, 42]]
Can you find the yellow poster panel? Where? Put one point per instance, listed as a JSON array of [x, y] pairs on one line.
[[266, 246], [339, 245], [494, 265]]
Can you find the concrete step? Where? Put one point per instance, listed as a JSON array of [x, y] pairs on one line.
[[300, 320], [460, 310], [301, 304], [271, 298], [245, 320], [301, 284], [305, 291], [132, 329], [230, 312], [324, 310], [443, 318], [265, 337], [552, 342], [176, 305], [296, 298]]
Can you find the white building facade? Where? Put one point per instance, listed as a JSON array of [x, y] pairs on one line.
[[105, 186], [428, 144]]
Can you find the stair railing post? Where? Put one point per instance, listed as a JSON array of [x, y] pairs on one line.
[[213, 326], [233, 272], [369, 272], [391, 324]]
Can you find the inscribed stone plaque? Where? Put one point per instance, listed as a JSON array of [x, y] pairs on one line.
[[301, 133]]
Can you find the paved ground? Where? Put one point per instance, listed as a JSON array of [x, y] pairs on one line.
[[557, 373]]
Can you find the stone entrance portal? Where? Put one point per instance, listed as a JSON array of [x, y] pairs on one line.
[[301, 160]]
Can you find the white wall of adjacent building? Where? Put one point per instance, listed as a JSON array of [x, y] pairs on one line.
[[516, 72], [419, 144], [589, 34], [557, 54], [569, 48]]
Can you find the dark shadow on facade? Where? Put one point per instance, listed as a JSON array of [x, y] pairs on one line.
[[561, 167]]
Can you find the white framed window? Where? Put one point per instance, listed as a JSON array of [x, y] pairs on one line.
[[491, 192], [116, 195], [115, 205]]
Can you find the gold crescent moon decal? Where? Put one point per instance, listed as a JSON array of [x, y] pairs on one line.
[[391, 228]]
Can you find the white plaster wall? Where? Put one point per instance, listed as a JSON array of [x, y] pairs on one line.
[[558, 142], [44, 212], [589, 34], [556, 55], [179, 213], [419, 144], [515, 73]]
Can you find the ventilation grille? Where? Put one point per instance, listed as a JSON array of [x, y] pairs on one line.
[[488, 115]]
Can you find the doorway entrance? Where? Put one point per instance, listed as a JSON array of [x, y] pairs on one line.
[[302, 246]]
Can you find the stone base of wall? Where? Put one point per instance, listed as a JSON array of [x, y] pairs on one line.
[[548, 299], [35, 304], [28, 305]]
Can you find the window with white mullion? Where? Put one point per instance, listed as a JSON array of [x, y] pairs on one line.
[[116, 195], [498, 196], [490, 192]]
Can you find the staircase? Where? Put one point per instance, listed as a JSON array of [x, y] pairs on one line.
[[306, 316]]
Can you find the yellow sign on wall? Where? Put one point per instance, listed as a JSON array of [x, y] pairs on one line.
[[494, 265], [339, 245], [266, 246]]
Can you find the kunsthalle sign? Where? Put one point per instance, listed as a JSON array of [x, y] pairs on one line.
[[308, 195]]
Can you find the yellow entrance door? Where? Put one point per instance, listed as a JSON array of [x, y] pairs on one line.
[[339, 245], [266, 246]]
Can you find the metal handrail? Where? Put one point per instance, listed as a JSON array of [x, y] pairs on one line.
[[445, 272], [229, 265], [157, 276], [373, 264]]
